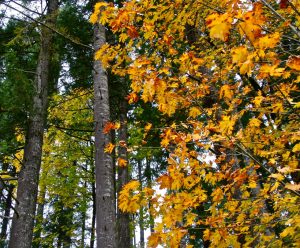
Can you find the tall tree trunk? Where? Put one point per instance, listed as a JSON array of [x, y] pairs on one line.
[[23, 221], [39, 217], [123, 219], [141, 212], [92, 241], [83, 220], [8, 202], [105, 197], [148, 174]]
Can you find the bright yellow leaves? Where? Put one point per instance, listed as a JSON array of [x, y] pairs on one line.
[[219, 26], [243, 59], [97, 10], [122, 162], [226, 92], [109, 148], [194, 112], [251, 23], [229, 79], [131, 198]]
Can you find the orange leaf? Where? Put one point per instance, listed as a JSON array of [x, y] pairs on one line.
[[108, 126], [294, 62], [132, 98], [122, 162]]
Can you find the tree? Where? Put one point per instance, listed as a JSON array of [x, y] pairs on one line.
[[104, 168], [22, 225], [236, 80]]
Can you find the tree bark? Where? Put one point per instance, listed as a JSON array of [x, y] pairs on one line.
[[23, 221], [123, 219], [141, 213], [105, 197], [39, 218], [8, 202], [92, 240], [148, 174]]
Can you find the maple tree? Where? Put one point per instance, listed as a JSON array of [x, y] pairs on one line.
[[232, 69]]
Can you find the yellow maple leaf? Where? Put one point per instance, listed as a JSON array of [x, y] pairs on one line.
[[194, 112], [252, 22], [217, 195], [165, 182], [271, 70], [109, 148], [122, 162], [277, 176], [226, 92], [154, 240], [296, 148], [148, 127], [287, 231], [254, 122], [268, 41], [239, 54], [246, 67], [219, 25], [226, 125]]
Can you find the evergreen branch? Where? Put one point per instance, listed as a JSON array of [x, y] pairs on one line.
[[51, 28]]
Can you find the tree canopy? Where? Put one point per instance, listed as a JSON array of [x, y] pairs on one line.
[[168, 123]]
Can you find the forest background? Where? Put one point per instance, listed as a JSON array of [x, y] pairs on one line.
[[184, 114]]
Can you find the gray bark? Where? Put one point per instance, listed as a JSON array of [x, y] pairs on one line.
[[8, 202], [92, 240], [141, 213], [39, 218], [123, 219], [23, 221], [105, 197]]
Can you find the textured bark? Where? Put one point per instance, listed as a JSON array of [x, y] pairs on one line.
[[141, 213], [105, 197], [39, 218], [148, 174], [92, 241], [23, 222], [123, 219], [5, 221]]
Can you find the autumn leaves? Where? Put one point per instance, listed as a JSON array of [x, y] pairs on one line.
[[231, 72]]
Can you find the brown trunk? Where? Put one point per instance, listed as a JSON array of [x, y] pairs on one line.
[[148, 174], [39, 217], [105, 195], [123, 219], [141, 212], [23, 222], [92, 242]]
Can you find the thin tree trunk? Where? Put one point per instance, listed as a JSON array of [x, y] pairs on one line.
[[83, 218], [92, 242], [148, 175], [141, 213], [123, 219], [23, 221], [105, 197], [5, 221], [39, 218]]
